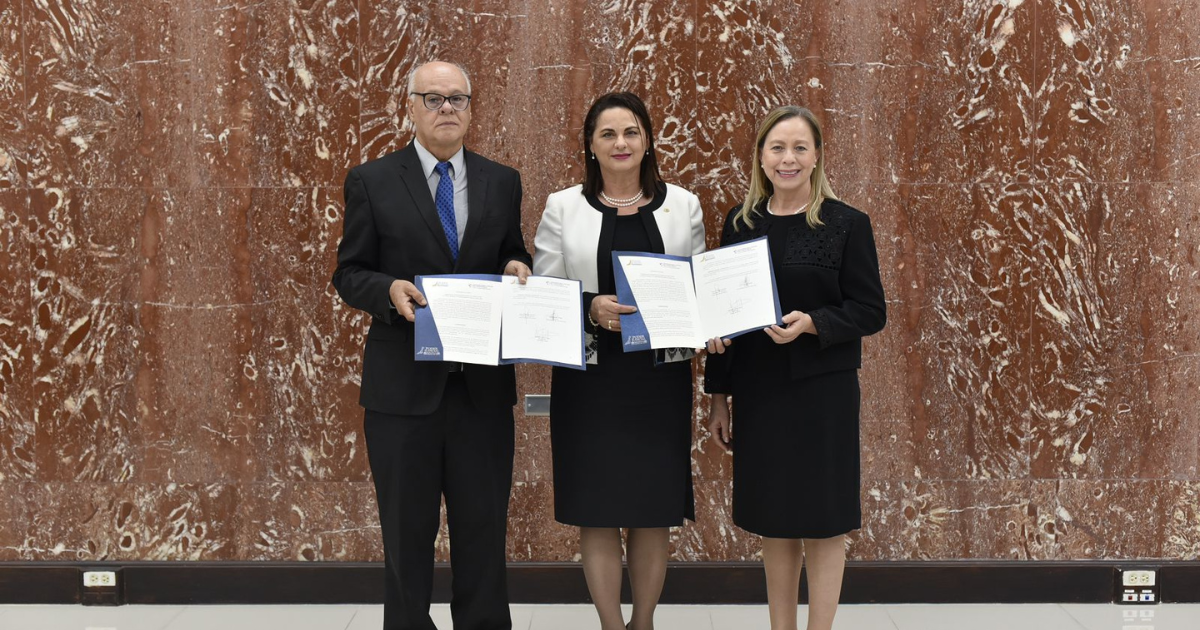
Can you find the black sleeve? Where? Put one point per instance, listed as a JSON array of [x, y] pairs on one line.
[[587, 311], [357, 279], [717, 367], [863, 310], [513, 246]]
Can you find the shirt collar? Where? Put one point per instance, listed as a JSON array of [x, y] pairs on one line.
[[428, 162]]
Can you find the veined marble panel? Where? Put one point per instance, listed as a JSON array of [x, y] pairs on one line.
[[13, 524], [276, 90], [179, 381], [1115, 326], [940, 520], [13, 133], [17, 457], [309, 521], [533, 534], [306, 355], [108, 94], [87, 342], [952, 360], [129, 521], [1130, 519], [1116, 83]]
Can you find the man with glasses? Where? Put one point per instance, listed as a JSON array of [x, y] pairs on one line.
[[434, 429]]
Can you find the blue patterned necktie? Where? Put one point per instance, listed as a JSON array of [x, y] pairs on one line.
[[445, 207]]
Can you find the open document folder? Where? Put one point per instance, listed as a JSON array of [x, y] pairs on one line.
[[683, 302], [494, 320]]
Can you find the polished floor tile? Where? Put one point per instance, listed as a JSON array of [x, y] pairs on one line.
[[1168, 617], [755, 617], [583, 617], [371, 617], [262, 617], [88, 617], [981, 617]]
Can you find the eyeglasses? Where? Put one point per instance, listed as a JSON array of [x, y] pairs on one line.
[[434, 101]]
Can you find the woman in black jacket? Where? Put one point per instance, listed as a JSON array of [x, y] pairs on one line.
[[796, 465]]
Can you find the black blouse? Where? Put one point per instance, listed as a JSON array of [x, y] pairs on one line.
[[830, 272]]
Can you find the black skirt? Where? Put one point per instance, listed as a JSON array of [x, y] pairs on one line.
[[621, 435], [796, 456]]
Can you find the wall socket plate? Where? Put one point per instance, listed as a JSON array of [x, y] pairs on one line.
[[1145, 577], [101, 587], [1136, 587], [99, 579]]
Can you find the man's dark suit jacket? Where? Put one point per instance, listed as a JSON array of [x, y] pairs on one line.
[[392, 231]]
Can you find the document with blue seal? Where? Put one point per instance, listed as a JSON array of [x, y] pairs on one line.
[[495, 320], [682, 302]]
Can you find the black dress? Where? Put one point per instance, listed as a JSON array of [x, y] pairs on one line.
[[621, 431], [796, 405]]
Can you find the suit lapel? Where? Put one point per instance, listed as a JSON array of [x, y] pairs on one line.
[[477, 183], [418, 188]]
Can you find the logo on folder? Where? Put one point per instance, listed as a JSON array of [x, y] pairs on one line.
[[429, 351]]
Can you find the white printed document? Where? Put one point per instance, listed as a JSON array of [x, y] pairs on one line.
[[683, 302], [495, 320]]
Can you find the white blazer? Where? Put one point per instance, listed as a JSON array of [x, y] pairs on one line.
[[568, 239]]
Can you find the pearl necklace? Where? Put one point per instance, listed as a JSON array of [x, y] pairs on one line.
[[621, 203], [793, 212]]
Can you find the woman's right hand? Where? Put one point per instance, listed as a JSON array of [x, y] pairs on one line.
[[718, 421], [716, 345], [607, 312]]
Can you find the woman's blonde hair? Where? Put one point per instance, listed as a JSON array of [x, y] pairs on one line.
[[761, 188]]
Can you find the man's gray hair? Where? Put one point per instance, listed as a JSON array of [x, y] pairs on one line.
[[412, 76]]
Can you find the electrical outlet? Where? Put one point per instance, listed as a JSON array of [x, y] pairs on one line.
[[101, 586], [1138, 578], [1136, 586], [99, 579]]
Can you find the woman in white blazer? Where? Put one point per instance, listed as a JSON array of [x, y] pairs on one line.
[[621, 430]]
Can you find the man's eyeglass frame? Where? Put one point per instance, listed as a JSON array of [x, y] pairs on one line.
[[434, 101]]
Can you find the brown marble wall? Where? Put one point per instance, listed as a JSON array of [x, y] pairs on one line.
[[178, 380]]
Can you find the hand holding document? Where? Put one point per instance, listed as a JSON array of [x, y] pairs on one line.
[[683, 302], [494, 320]]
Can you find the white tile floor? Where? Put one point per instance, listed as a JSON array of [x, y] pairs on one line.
[[581, 617]]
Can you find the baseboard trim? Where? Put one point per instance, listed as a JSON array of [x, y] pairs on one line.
[[687, 583]]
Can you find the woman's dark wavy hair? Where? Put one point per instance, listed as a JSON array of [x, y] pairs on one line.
[[593, 181]]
